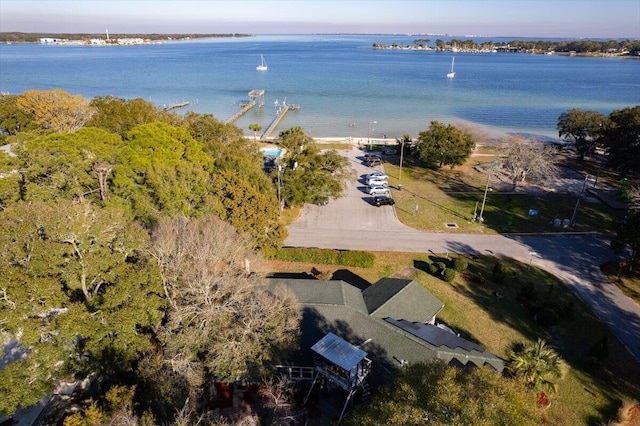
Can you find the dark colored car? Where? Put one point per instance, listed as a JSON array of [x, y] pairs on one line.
[[383, 201], [371, 163], [370, 157]]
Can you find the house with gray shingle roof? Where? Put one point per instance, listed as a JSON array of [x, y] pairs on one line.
[[397, 315], [401, 298]]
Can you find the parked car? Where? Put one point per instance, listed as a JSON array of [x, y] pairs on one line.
[[383, 178], [378, 190], [383, 200], [369, 157], [373, 162], [381, 174], [377, 182]]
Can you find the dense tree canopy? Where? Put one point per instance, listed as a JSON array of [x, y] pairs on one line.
[[582, 128], [628, 233], [435, 394], [55, 109], [12, 119], [76, 293], [307, 175], [444, 145], [163, 170], [622, 140], [68, 165], [119, 116]]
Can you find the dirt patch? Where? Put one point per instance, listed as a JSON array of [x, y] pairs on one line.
[[406, 273]]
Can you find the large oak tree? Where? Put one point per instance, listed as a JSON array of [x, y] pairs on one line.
[[622, 140], [222, 323], [308, 174], [444, 145], [435, 394], [583, 128], [55, 109], [76, 295]]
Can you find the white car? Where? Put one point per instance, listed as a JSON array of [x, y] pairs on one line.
[[381, 176], [377, 182], [378, 190], [378, 174]]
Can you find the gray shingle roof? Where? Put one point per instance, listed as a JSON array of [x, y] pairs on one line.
[[315, 292], [401, 299], [334, 306]]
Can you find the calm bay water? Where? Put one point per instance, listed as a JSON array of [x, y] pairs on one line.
[[340, 82]]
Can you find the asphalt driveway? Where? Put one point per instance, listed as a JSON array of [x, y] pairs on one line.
[[353, 223]]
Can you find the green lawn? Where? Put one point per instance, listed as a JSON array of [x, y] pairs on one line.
[[590, 393], [431, 199]]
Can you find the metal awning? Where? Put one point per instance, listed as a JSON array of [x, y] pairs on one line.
[[339, 352]]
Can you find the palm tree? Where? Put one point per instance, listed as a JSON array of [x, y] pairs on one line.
[[255, 128], [537, 365]]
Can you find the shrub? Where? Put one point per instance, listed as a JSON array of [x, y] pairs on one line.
[[441, 266], [449, 275], [460, 264], [499, 272], [355, 258], [433, 268]]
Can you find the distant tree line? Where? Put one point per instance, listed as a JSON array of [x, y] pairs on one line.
[[18, 37], [631, 47]]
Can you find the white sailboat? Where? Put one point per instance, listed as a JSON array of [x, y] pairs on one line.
[[451, 73], [263, 64]]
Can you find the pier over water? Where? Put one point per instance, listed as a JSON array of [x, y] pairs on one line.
[[248, 105], [281, 111]]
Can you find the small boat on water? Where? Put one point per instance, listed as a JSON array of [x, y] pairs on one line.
[[263, 64], [451, 73]]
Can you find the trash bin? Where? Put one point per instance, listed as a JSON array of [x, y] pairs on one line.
[[399, 187]]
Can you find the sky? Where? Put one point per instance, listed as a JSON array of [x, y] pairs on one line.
[[481, 18]]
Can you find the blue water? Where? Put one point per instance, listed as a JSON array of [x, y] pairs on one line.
[[340, 82]]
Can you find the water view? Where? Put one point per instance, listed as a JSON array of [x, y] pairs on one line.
[[343, 86]]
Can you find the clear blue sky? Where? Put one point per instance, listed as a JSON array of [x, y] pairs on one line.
[[524, 18]]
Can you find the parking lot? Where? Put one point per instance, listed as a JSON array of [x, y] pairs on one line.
[[353, 211]]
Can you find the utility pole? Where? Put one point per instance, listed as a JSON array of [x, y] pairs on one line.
[[401, 155], [493, 166], [369, 133]]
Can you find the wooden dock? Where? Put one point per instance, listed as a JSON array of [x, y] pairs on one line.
[[242, 112], [276, 121], [176, 105]]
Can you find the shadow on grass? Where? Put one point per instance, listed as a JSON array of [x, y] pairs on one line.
[[508, 211], [351, 278]]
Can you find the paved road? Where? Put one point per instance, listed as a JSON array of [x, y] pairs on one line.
[[353, 223]]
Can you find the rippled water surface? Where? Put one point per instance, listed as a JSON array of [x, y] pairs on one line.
[[341, 84]]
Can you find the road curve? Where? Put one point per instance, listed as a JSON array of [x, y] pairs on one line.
[[352, 223]]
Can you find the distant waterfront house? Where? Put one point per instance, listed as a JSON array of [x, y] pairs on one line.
[[49, 40], [395, 317]]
